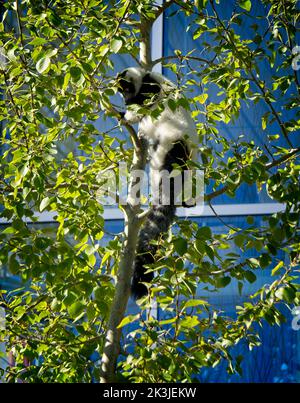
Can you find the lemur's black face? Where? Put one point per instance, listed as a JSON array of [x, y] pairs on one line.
[[133, 95], [127, 88]]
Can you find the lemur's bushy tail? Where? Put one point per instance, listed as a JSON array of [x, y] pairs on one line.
[[158, 221]]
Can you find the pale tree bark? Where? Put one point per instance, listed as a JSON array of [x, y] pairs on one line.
[[133, 220], [145, 44]]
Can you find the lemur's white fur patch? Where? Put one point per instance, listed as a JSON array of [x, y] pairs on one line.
[[162, 132], [169, 127]]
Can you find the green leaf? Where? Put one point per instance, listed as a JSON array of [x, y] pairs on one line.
[[240, 287], [189, 322], [254, 262], [250, 276], [201, 98], [200, 246], [180, 245], [13, 265], [51, 52], [245, 4], [210, 252], [116, 45], [76, 73], [288, 294], [44, 203], [172, 105], [194, 302], [128, 319], [75, 309], [8, 230], [264, 260], [105, 257], [239, 240], [167, 321], [250, 220], [204, 233], [24, 170], [43, 64], [37, 41], [277, 267], [264, 121], [98, 293], [222, 282]]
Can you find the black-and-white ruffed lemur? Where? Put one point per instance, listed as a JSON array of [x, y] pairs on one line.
[[172, 137]]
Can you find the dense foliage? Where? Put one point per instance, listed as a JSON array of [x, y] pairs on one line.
[[57, 80]]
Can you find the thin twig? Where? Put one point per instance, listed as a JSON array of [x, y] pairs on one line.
[[163, 8], [181, 58], [113, 34], [250, 71], [277, 162], [220, 219]]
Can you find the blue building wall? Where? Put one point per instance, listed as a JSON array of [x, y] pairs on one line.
[[278, 357]]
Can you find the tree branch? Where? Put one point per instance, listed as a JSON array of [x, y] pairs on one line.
[[180, 57], [134, 137], [248, 68], [272, 164], [113, 34], [19, 23], [163, 8], [145, 45], [282, 159], [122, 293]]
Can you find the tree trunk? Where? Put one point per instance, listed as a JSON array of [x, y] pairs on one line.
[[125, 272], [113, 335], [132, 224]]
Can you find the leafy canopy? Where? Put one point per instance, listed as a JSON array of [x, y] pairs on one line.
[[57, 81]]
